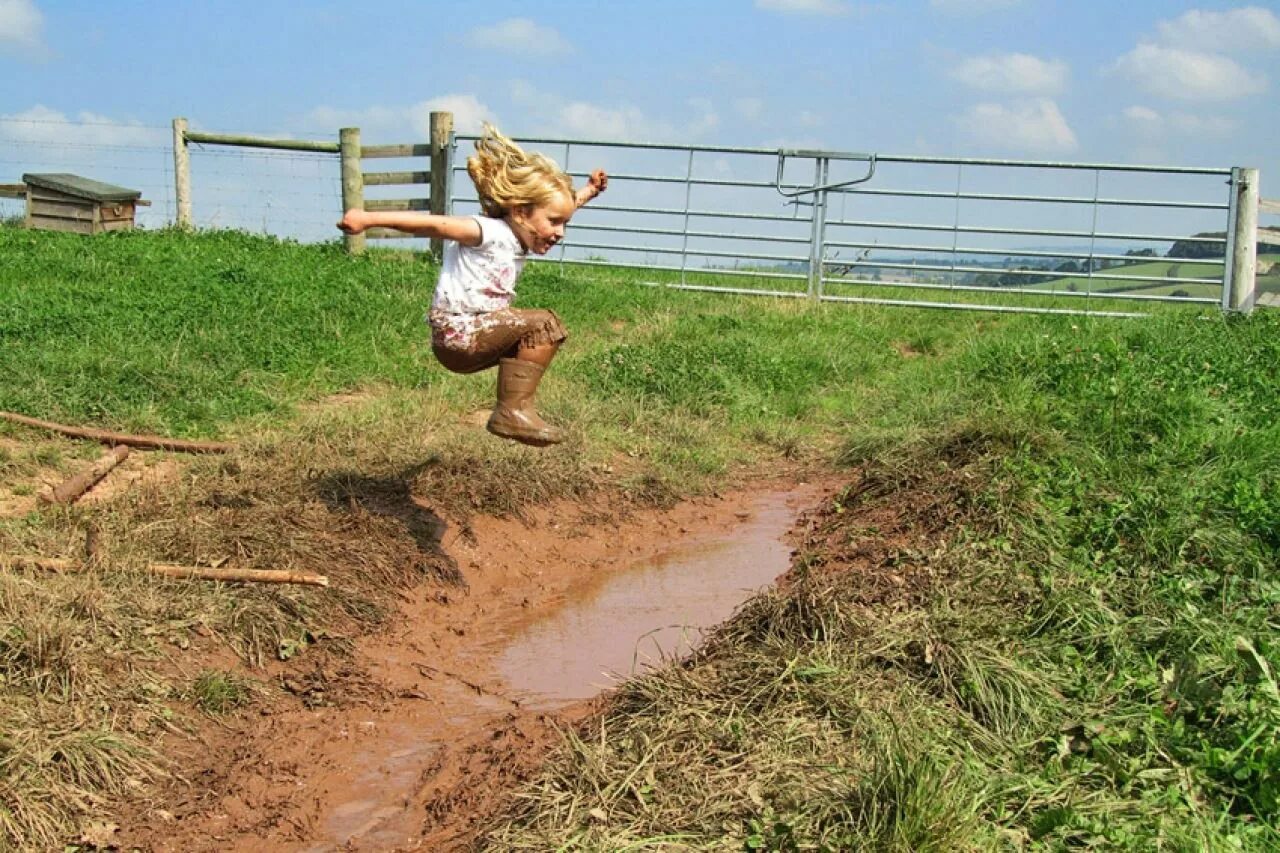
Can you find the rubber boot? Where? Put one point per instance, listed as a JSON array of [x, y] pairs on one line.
[[514, 416]]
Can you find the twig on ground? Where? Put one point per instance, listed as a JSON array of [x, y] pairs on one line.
[[71, 489], [56, 564], [145, 442]]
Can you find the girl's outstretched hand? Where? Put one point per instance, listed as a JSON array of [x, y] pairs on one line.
[[599, 181], [352, 222], [593, 187]]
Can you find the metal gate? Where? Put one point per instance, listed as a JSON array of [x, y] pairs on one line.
[[924, 231]]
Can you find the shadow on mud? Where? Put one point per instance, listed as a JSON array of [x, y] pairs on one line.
[[353, 493]]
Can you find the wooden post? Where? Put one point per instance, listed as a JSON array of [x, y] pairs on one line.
[[1242, 249], [181, 173], [441, 170], [352, 181]]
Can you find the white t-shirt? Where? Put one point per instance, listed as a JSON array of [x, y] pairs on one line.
[[480, 279]]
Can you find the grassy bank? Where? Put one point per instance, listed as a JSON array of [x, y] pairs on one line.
[[1098, 542], [1048, 619], [317, 365]]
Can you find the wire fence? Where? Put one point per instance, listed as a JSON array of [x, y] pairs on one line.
[[290, 194], [832, 225], [132, 155], [293, 195]]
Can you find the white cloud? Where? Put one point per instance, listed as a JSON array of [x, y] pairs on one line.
[[376, 122], [808, 118], [749, 108], [519, 36], [20, 27], [1019, 73], [556, 116], [971, 7], [469, 114], [1151, 125], [626, 123], [1170, 72], [805, 7], [1141, 114], [44, 125], [1035, 126], [1249, 28]]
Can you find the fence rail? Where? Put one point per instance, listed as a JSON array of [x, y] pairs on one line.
[[693, 235], [778, 220]]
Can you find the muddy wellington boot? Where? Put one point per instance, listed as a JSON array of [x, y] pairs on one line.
[[514, 416]]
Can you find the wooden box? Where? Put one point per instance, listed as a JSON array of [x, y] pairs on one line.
[[63, 202]]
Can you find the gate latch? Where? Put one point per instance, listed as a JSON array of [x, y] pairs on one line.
[[784, 153]]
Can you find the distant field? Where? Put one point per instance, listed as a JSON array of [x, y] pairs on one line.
[[1102, 283]]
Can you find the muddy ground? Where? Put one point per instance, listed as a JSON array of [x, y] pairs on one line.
[[412, 739]]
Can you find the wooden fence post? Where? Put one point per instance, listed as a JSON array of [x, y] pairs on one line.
[[352, 181], [1242, 250], [441, 170], [181, 173]]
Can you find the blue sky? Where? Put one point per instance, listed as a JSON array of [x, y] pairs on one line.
[[1145, 81]]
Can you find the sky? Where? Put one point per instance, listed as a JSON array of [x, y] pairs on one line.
[[1142, 81]]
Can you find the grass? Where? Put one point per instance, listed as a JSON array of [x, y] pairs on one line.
[[233, 336], [1097, 500], [217, 692], [1045, 620]]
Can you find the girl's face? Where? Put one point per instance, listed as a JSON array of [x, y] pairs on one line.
[[540, 227]]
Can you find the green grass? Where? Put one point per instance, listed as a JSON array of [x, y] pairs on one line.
[[216, 692], [1082, 651], [1088, 658], [180, 333]]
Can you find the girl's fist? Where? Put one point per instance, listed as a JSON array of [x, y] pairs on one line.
[[352, 222], [599, 181]]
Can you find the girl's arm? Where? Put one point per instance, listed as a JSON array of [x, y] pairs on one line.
[[596, 184], [461, 229]]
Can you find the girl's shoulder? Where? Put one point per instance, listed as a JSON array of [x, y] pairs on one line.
[[496, 234]]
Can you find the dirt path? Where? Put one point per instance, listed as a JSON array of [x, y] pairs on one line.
[[409, 742]]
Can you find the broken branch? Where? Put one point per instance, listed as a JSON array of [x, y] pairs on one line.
[[144, 442], [57, 564], [70, 490]]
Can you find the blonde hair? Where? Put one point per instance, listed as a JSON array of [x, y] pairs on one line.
[[507, 177]]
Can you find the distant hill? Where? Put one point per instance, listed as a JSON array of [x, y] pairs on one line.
[[1195, 249]]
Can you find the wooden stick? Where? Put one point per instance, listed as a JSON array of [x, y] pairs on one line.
[[44, 564], [146, 442], [58, 564], [70, 490], [249, 575]]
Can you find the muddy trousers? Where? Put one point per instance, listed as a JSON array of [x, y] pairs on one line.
[[521, 343]]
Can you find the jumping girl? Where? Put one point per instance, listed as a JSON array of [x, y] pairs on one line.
[[526, 202]]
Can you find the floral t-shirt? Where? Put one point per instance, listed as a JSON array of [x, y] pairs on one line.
[[474, 281]]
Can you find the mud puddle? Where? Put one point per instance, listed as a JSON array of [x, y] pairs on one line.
[[462, 695], [649, 613]]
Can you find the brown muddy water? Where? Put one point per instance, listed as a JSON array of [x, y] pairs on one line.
[[649, 614], [632, 616]]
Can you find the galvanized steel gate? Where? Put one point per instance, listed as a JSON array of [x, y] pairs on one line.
[[941, 232]]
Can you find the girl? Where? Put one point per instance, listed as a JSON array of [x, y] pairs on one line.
[[526, 202]]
